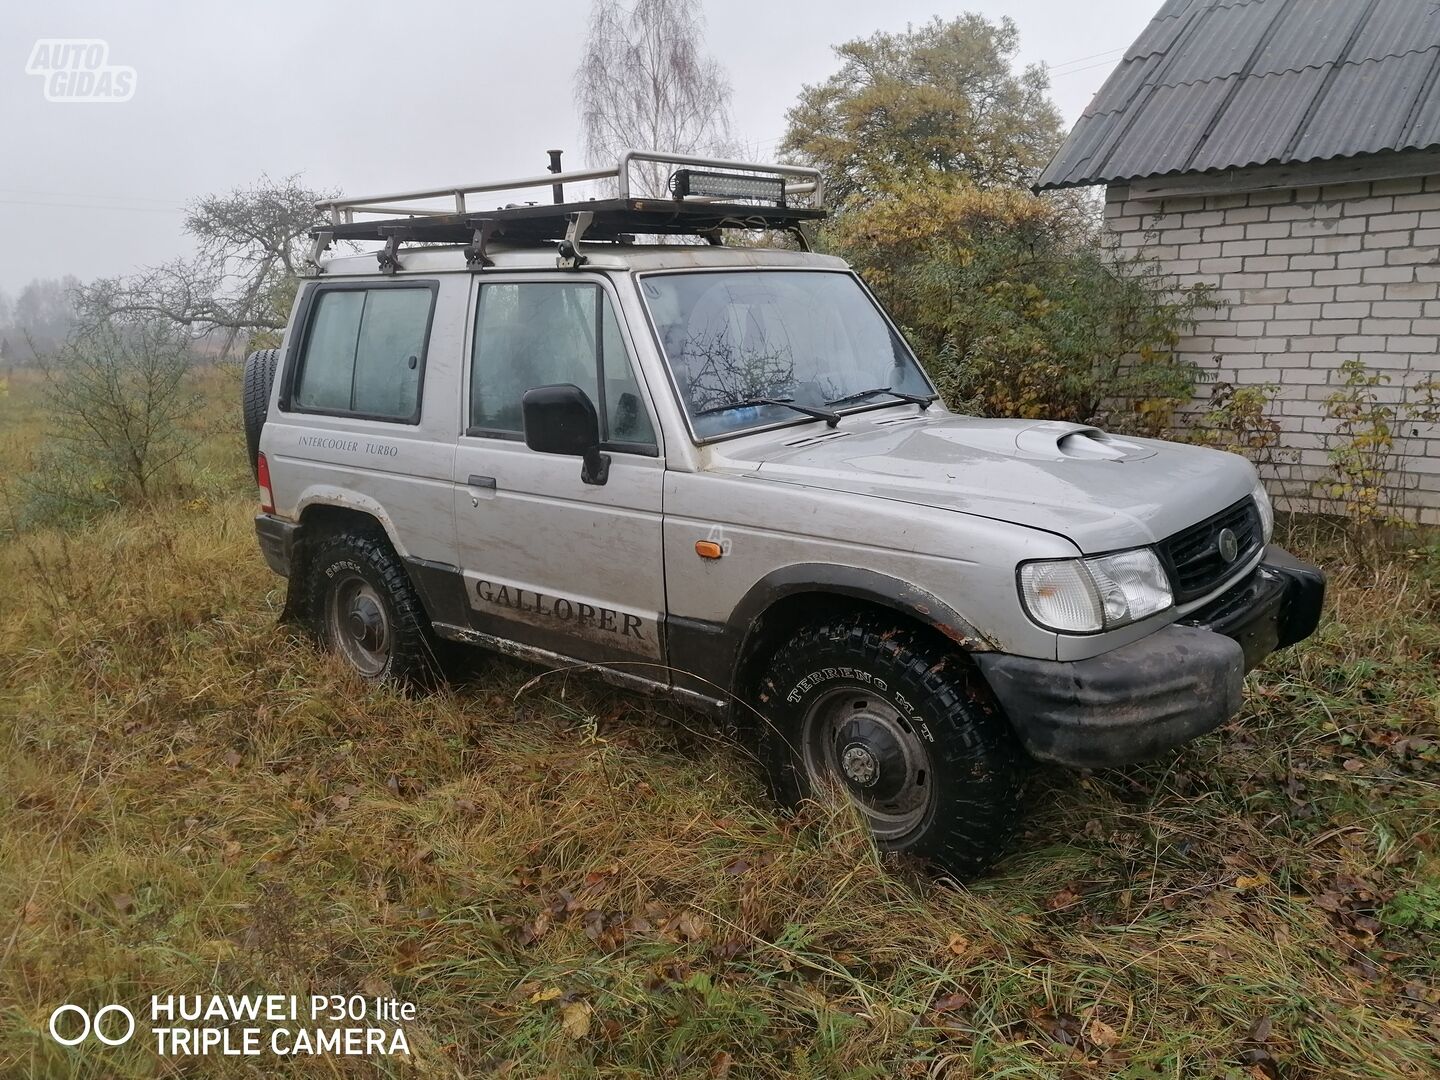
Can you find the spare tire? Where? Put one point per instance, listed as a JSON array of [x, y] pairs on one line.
[[255, 397]]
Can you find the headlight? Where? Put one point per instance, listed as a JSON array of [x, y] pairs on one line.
[[1267, 512], [1083, 596]]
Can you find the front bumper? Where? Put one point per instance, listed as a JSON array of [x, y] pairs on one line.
[[1140, 700]]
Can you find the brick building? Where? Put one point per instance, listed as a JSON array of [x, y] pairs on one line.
[[1287, 152]]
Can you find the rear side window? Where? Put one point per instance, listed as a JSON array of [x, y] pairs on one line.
[[364, 352]]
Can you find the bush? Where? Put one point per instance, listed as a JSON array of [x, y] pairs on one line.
[[1237, 419], [1366, 480], [1017, 311], [116, 396]]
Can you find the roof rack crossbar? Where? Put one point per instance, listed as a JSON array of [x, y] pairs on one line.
[[610, 220], [343, 211]]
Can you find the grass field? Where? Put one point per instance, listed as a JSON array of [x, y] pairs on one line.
[[570, 881]]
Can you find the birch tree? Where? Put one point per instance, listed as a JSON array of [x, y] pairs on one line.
[[646, 82]]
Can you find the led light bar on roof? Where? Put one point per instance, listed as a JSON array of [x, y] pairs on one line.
[[718, 185]]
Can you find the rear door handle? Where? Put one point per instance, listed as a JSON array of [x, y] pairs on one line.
[[483, 483]]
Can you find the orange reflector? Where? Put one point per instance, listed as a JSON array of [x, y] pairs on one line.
[[708, 549]]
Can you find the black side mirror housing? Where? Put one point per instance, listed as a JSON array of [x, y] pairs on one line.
[[561, 419]]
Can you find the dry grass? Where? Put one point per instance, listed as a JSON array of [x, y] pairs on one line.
[[192, 802]]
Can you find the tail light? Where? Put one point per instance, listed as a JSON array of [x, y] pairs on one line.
[[262, 477]]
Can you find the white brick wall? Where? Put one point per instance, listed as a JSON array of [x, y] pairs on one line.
[[1312, 276]]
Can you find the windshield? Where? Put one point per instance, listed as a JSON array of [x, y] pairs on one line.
[[760, 347]]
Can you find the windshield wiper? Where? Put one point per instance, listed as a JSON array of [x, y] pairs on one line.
[[831, 418], [861, 395]]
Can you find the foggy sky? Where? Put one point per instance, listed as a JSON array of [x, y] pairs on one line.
[[364, 96]]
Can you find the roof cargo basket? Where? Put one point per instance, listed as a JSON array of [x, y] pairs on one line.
[[707, 196]]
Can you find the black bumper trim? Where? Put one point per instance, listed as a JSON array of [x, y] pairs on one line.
[[1130, 704], [277, 541], [1141, 700]]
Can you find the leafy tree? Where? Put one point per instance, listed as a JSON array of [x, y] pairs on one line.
[[927, 140], [939, 98], [1014, 314], [645, 83]]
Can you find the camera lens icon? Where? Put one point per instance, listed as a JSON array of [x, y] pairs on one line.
[[89, 1025]]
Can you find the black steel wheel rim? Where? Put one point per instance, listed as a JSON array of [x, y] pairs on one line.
[[860, 740], [359, 624]]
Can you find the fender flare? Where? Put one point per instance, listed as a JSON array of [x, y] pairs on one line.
[[713, 654], [344, 499], [859, 584]]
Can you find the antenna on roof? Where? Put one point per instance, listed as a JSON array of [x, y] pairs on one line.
[[558, 190]]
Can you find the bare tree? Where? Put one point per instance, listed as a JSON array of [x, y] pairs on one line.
[[251, 253], [118, 400], [644, 82]]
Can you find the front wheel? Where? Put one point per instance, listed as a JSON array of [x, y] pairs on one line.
[[905, 727]]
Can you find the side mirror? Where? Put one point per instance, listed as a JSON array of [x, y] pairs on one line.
[[561, 419]]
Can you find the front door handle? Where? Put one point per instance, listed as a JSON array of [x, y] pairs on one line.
[[484, 483]]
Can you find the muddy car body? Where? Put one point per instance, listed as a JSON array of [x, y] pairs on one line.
[[719, 473]]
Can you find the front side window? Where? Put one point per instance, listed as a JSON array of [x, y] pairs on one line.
[[811, 337], [364, 352], [530, 334]]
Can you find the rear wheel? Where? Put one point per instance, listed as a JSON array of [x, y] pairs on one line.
[[366, 609], [905, 728]]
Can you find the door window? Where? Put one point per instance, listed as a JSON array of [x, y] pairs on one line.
[[530, 334]]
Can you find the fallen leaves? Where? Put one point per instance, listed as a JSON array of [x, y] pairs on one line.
[[950, 1003], [685, 926], [950, 1013], [1101, 1034], [1353, 905], [1255, 1052], [609, 928], [535, 929], [576, 1014], [575, 1019], [1063, 1028], [1065, 898]]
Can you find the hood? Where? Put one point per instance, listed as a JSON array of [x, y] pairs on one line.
[[1100, 491]]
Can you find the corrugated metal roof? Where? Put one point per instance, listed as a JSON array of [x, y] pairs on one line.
[[1222, 84]]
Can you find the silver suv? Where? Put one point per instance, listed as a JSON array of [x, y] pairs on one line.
[[719, 473]]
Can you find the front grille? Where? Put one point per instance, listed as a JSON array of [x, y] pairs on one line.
[[1192, 557]]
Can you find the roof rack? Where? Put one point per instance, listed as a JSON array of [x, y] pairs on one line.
[[708, 195]]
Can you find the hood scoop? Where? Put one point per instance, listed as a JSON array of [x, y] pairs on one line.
[[1071, 442], [1090, 444]]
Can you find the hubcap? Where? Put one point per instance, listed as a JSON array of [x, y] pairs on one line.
[[359, 625], [860, 764], [860, 739]]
